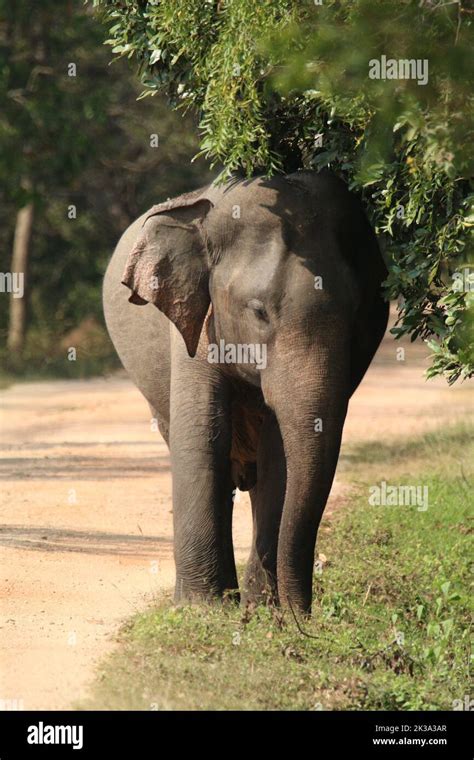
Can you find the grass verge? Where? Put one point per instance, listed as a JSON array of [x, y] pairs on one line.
[[390, 614]]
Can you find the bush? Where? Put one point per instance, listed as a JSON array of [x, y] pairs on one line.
[[284, 85]]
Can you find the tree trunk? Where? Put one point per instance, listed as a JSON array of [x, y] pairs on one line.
[[20, 260]]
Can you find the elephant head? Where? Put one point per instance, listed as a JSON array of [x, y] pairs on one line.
[[290, 264]]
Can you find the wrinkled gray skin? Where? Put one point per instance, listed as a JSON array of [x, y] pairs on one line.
[[239, 263]]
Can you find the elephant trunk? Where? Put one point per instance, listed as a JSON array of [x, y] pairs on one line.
[[311, 416]]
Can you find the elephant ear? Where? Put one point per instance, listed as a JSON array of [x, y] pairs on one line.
[[168, 265]]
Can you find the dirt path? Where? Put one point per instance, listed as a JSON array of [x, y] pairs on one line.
[[86, 524]]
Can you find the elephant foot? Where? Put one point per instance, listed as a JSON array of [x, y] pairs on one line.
[[186, 593], [259, 587]]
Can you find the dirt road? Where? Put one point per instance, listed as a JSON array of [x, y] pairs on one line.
[[85, 517]]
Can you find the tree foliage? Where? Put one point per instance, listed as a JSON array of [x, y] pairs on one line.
[[80, 140], [284, 84]]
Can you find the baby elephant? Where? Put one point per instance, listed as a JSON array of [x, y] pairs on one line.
[[247, 314]]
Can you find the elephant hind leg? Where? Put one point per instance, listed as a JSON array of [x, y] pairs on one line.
[[247, 419], [267, 496]]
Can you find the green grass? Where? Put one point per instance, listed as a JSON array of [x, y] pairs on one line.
[[390, 614]]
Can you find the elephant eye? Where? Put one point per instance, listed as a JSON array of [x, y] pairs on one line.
[[258, 308]]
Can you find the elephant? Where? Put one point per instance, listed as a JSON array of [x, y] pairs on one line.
[[289, 264]]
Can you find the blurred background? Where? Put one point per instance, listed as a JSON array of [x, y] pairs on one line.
[[80, 158]]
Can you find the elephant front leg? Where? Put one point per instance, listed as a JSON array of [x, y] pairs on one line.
[[260, 584], [202, 488]]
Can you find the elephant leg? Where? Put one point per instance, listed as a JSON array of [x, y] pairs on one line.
[[267, 497], [200, 438]]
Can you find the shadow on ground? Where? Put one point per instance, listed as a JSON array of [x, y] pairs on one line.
[[85, 542]]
